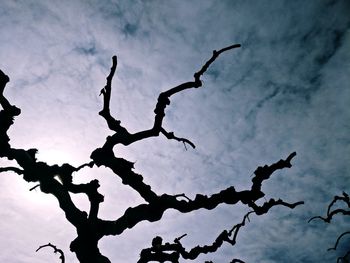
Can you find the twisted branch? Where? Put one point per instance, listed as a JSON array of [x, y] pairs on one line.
[[155, 208], [126, 138], [331, 213], [171, 252], [224, 236], [212, 59], [123, 168]]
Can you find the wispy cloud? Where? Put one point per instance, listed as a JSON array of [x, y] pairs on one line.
[[286, 89]]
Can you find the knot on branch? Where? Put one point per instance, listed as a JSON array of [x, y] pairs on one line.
[[66, 172], [264, 172], [101, 155], [163, 101], [12, 111], [93, 194], [197, 81]]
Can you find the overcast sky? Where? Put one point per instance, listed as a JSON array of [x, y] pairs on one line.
[[287, 89]]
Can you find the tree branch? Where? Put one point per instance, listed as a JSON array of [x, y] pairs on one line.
[[236, 260], [224, 236], [106, 91], [123, 168], [56, 250], [331, 213], [171, 252], [198, 74], [259, 210], [11, 169], [123, 136], [264, 173], [90, 189], [154, 210], [34, 187], [170, 135]]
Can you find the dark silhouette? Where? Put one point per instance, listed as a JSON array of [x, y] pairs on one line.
[[331, 212], [89, 227]]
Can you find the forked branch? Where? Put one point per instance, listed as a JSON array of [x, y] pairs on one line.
[[123, 168], [155, 208], [126, 138], [171, 252]]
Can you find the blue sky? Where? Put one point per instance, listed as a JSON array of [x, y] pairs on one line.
[[286, 89]]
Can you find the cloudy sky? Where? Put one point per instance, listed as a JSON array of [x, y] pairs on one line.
[[287, 89]]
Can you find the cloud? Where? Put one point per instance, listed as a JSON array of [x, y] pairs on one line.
[[284, 90]]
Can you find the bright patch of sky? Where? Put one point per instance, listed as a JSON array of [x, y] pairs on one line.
[[286, 89]]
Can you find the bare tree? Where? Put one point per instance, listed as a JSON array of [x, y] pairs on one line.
[[331, 213], [89, 227]]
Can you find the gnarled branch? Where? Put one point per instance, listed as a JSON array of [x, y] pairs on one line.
[[154, 209], [171, 252], [331, 213], [122, 136]]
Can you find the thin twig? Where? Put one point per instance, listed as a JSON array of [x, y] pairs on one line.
[[31, 189], [171, 135]]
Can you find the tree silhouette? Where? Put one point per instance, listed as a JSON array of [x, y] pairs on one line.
[[57, 180]]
